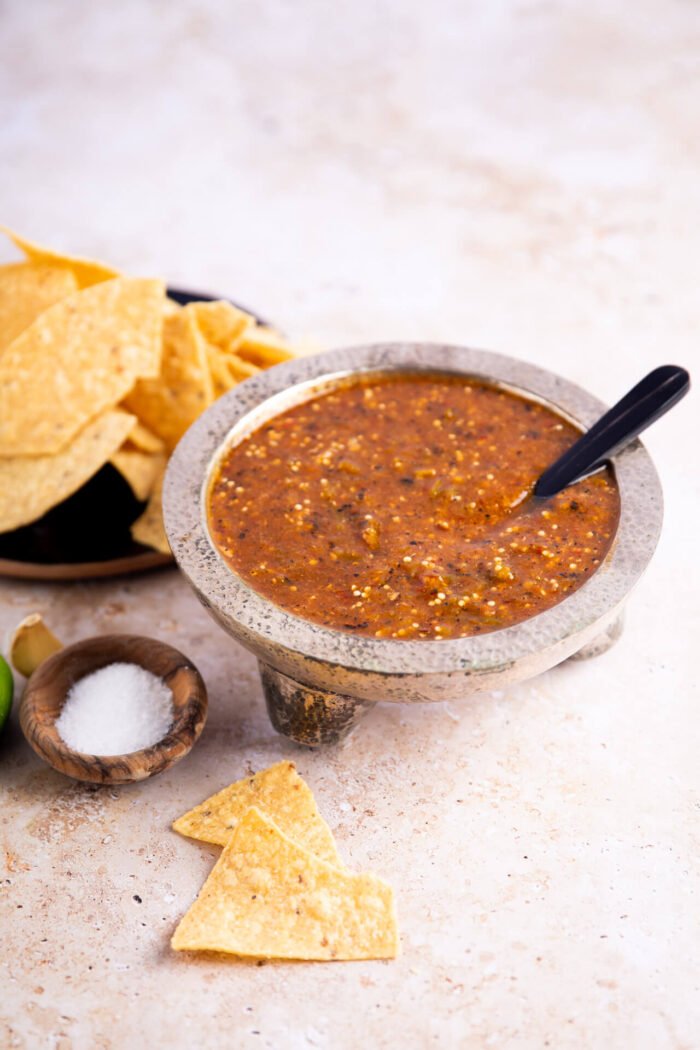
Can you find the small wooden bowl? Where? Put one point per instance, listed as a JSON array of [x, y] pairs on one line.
[[46, 691]]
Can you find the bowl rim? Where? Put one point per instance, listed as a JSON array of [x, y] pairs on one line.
[[265, 626]]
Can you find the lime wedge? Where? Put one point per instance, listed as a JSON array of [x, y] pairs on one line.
[[6, 690]]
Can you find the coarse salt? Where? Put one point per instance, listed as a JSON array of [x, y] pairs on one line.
[[119, 709]]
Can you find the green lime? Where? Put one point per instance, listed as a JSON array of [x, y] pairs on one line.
[[7, 686]]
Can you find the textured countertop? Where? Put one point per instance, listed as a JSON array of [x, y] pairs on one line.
[[521, 177]]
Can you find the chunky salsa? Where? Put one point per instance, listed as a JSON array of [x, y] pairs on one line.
[[396, 506]]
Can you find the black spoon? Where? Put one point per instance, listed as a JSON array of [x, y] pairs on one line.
[[646, 402]]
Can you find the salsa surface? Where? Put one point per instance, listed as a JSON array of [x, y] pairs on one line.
[[389, 507]]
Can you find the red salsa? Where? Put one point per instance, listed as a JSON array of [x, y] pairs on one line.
[[392, 506]]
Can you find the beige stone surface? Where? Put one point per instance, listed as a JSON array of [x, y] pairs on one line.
[[520, 176]]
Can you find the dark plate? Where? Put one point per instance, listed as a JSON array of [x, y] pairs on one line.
[[88, 534]]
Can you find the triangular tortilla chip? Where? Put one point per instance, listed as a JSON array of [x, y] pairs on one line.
[[239, 368], [280, 793], [169, 404], [144, 440], [221, 323], [140, 469], [26, 291], [264, 346], [268, 897], [31, 485], [86, 271], [149, 529], [227, 370], [78, 357], [221, 377]]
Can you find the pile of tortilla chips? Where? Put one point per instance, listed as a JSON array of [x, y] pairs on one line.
[[279, 889], [98, 368]]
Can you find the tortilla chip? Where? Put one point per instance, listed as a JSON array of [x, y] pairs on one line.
[[280, 793], [222, 379], [26, 290], [144, 439], [169, 404], [140, 469], [239, 368], [227, 370], [86, 271], [79, 357], [149, 529], [264, 347], [268, 897], [31, 485], [221, 323]]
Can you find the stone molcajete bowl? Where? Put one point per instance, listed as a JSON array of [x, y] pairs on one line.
[[318, 682]]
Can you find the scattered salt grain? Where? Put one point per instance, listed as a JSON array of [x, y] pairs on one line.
[[116, 710]]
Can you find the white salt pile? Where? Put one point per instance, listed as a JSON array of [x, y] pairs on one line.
[[116, 710]]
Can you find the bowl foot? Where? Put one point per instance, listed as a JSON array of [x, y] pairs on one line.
[[602, 642], [309, 716]]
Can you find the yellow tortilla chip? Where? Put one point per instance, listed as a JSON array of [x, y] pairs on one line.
[[221, 323], [86, 271], [149, 529], [144, 439], [280, 793], [239, 368], [264, 347], [26, 290], [222, 379], [169, 404], [140, 469], [31, 485], [268, 897], [227, 370], [79, 357]]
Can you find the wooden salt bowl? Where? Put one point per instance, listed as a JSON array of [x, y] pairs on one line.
[[46, 691]]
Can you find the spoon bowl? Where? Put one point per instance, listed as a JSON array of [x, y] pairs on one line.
[[46, 692]]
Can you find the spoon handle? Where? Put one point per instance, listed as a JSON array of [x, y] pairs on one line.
[[649, 399]]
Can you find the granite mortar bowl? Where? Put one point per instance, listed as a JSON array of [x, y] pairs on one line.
[[318, 682]]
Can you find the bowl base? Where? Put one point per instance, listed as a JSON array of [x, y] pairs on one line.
[[603, 641], [317, 717], [309, 716]]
